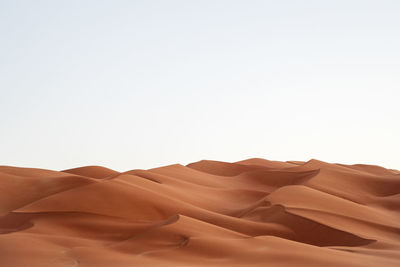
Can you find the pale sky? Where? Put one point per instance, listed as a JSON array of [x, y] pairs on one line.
[[141, 84]]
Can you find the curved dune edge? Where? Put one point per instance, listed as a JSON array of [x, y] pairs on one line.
[[254, 212]]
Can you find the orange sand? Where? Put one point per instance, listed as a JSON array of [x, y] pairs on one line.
[[250, 213]]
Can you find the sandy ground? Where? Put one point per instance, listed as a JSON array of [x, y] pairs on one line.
[[249, 213]]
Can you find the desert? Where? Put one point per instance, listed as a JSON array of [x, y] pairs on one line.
[[254, 212]]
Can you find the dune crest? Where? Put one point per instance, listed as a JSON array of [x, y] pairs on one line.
[[254, 212]]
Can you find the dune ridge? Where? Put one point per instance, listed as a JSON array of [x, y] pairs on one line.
[[254, 212]]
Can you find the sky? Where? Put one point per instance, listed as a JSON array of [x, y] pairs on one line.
[[142, 84]]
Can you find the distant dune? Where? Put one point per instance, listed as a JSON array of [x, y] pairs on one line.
[[254, 212]]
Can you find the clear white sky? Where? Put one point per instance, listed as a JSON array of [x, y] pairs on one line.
[[140, 84]]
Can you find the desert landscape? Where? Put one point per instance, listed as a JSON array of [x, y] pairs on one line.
[[199, 133], [254, 212]]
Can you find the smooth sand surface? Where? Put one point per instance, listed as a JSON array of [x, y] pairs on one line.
[[254, 212]]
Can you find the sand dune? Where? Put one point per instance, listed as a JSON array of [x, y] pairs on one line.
[[254, 212]]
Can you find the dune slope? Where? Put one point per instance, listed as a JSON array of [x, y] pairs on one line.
[[254, 212]]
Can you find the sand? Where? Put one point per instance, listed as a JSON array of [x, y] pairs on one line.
[[254, 212]]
